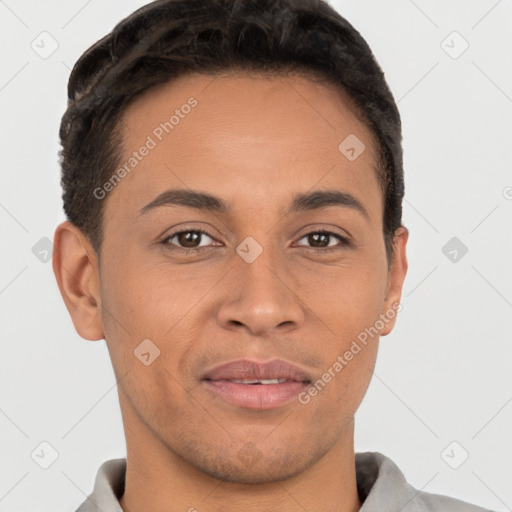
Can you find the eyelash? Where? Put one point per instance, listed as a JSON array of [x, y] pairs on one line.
[[198, 250]]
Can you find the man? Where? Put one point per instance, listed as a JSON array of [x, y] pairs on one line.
[[232, 175]]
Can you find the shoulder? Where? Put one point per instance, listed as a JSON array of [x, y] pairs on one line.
[[382, 487], [108, 488], [425, 501]]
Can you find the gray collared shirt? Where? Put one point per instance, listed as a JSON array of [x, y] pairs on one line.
[[380, 483]]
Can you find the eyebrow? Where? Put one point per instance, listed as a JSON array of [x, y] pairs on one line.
[[301, 202]]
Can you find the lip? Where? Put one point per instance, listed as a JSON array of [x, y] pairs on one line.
[[249, 369], [256, 396]]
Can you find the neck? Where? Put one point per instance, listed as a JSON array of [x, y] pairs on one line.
[[159, 480]]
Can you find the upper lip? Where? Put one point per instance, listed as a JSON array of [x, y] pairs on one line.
[[247, 369]]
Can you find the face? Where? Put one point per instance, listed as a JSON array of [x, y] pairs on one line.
[[254, 274]]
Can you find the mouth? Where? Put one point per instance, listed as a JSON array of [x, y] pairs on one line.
[[253, 385], [254, 382]]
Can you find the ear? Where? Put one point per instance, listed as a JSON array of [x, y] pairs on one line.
[[396, 277], [75, 265]]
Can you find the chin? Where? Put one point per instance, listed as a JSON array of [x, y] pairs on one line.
[[264, 473]]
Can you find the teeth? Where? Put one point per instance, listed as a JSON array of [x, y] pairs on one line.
[[256, 381]]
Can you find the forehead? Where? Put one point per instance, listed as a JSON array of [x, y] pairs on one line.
[[243, 136]]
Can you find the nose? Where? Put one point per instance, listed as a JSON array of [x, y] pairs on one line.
[[261, 298]]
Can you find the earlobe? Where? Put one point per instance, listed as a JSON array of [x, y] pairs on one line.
[[396, 279], [75, 266]]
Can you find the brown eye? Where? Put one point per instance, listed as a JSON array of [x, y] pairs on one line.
[[321, 241], [187, 239]]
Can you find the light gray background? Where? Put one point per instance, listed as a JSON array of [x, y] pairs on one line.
[[443, 375]]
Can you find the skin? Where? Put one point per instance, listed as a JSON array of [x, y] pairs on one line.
[[253, 141]]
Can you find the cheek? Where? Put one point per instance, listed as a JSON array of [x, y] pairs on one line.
[[147, 301], [346, 304], [346, 297], [141, 296]]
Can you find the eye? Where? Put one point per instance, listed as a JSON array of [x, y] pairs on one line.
[[188, 240], [324, 239]]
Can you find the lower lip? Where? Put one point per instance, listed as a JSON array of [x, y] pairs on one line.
[[256, 396]]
